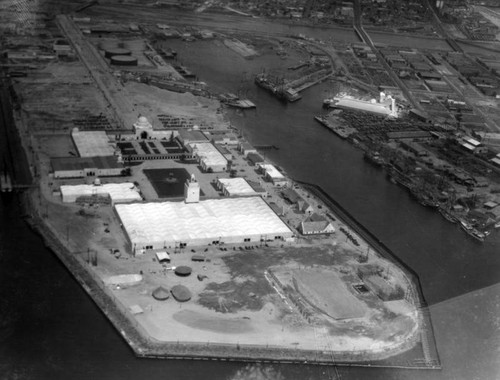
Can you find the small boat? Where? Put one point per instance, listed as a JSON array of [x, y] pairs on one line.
[[448, 216]]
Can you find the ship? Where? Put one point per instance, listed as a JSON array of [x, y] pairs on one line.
[[384, 106], [233, 100], [471, 231], [283, 93], [374, 158]]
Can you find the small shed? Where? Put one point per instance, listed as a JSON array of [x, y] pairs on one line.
[[198, 258], [163, 256], [136, 309]]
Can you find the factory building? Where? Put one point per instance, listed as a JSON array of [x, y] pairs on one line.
[[273, 175], [117, 192], [171, 225]]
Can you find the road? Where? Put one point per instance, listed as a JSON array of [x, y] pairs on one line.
[[113, 91], [367, 40]]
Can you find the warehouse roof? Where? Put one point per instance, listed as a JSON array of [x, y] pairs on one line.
[[237, 186], [191, 135], [92, 143], [212, 218], [208, 154], [80, 163], [271, 171], [118, 192]]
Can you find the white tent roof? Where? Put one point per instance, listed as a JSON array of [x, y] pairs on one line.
[[213, 218], [237, 186], [92, 143], [209, 154], [272, 171], [118, 192], [162, 255]]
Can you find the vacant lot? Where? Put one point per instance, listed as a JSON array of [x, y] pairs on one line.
[[168, 183]]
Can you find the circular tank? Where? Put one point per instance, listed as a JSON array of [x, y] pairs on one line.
[[123, 60], [110, 52]]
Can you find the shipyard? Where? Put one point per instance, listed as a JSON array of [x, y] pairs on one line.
[[154, 181]]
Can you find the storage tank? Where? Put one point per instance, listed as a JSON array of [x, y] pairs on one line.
[[123, 60], [111, 52]]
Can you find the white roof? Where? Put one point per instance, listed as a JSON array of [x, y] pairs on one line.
[[118, 192], [162, 255], [208, 219], [364, 106], [208, 154], [496, 161], [472, 141], [237, 186], [92, 143], [468, 146], [271, 171]]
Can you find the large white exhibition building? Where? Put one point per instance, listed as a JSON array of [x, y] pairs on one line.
[[161, 225]]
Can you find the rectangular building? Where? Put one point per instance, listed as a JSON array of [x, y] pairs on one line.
[[160, 225], [273, 175], [78, 167]]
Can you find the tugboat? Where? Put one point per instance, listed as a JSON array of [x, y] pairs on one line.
[[471, 231], [374, 158]]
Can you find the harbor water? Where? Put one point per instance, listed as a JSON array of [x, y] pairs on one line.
[[50, 328]]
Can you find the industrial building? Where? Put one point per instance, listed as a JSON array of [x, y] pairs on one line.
[[161, 225], [273, 175], [78, 167], [117, 192]]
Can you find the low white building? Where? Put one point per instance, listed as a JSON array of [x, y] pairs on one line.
[[117, 192], [159, 225], [235, 187], [245, 148], [273, 175], [209, 157]]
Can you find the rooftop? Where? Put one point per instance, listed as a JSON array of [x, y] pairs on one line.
[[80, 163], [92, 143]]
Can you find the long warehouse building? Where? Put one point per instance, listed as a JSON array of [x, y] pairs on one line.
[[161, 225]]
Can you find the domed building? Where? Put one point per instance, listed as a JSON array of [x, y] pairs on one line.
[[143, 128]]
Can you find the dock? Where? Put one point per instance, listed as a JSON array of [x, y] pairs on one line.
[[342, 131]]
